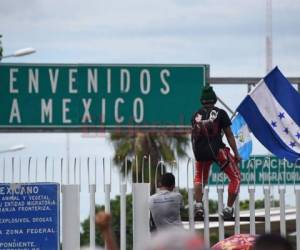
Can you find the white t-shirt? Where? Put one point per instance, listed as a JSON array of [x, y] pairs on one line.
[[165, 208]]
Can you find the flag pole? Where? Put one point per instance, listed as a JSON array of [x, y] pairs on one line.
[[226, 106]]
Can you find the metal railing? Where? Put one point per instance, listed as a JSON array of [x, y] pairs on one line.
[[95, 174]]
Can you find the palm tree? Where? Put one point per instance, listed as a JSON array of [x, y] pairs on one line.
[[137, 146]]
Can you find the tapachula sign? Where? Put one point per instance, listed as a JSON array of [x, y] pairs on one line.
[[262, 169]]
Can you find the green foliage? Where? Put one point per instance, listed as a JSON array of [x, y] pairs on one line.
[[157, 145], [214, 238], [115, 211], [244, 205]]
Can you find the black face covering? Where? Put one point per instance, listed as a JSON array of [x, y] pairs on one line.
[[207, 108]]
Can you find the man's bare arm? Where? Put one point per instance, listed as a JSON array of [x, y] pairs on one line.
[[103, 221]]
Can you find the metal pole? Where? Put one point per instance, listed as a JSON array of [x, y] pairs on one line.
[[155, 177], [191, 209], [13, 170], [237, 229], [110, 168], [149, 166], [3, 169], [225, 105], [36, 169], [206, 217], [107, 190], [28, 168], [61, 171], [68, 157], [282, 211], [79, 174], [20, 171], [88, 170], [137, 169], [269, 38], [52, 169], [75, 170], [123, 190], [178, 169], [143, 167], [267, 209], [92, 190], [220, 191], [248, 87], [190, 199], [187, 171], [46, 167], [251, 190], [297, 192]]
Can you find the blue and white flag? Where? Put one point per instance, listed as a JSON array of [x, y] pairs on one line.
[[242, 136], [272, 112]]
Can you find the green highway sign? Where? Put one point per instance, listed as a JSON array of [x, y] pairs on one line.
[[78, 97], [261, 170]]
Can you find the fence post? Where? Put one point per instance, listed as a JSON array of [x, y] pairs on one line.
[[28, 169], [3, 170], [282, 210], [191, 209], [206, 216], [12, 170], [36, 169], [161, 165], [20, 169], [251, 190], [237, 215], [92, 190], [267, 195], [46, 168], [190, 196], [107, 189], [220, 191], [297, 193], [123, 190], [123, 216], [267, 209], [70, 217], [140, 206], [53, 165]]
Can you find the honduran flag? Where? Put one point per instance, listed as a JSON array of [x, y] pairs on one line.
[[272, 112]]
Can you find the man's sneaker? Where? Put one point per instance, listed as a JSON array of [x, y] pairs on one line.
[[227, 213], [198, 210]]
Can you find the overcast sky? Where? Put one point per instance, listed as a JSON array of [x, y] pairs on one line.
[[229, 35]]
